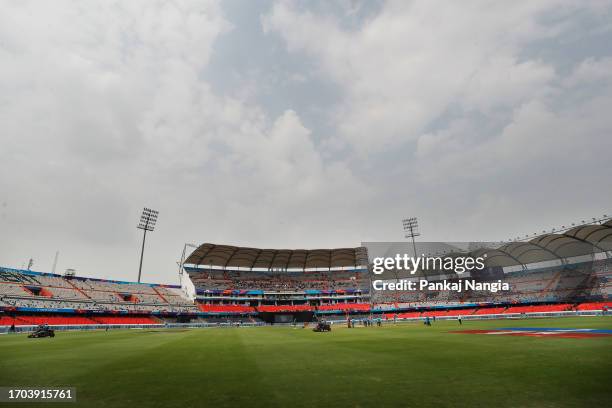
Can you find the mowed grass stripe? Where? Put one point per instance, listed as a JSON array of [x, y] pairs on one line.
[[410, 364], [403, 365]]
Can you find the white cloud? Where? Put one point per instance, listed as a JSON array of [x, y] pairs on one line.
[[404, 67], [591, 71], [105, 110], [446, 112], [480, 123]]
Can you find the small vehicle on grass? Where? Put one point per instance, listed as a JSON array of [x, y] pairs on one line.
[[322, 327], [42, 331]]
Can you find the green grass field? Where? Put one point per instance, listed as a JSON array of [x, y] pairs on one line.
[[407, 365]]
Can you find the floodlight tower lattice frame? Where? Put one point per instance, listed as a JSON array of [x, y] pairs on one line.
[[147, 222], [411, 230]]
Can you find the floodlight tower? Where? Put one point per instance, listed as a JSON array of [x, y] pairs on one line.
[[411, 229], [147, 223]]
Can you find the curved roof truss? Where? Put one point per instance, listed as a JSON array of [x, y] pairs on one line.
[[244, 257]]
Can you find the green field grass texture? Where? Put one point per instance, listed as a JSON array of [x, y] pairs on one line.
[[404, 365]]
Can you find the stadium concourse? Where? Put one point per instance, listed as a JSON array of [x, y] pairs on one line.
[[563, 274]]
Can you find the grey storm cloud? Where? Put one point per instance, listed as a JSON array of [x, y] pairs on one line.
[[295, 124]]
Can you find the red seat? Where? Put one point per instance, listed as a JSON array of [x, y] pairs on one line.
[[360, 307], [538, 308], [26, 320], [594, 306], [490, 311], [125, 320], [6, 321], [409, 315], [463, 312], [284, 308], [226, 308]]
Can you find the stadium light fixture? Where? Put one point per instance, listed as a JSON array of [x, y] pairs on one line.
[[411, 230], [147, 223]]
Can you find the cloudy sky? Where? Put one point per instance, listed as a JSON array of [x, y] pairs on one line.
[[295, 124]]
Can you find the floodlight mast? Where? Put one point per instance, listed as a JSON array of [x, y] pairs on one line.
[[147, 223], [411, 230]]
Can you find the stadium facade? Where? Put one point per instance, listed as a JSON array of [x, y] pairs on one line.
[[279, 285], [565, 273]]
